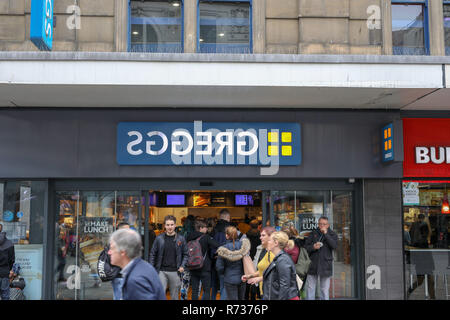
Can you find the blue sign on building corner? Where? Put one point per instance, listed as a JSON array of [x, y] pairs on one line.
[[41, 25], [388, 143]]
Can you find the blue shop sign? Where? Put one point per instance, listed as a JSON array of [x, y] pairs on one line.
[[388, 143], [41, 26], [209, 143]]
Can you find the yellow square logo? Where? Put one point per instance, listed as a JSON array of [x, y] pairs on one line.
[[286, 151], [273, 150], [286, 137], [273, 137]]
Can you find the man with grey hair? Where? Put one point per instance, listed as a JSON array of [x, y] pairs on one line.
[[320, 245], [140, 279]]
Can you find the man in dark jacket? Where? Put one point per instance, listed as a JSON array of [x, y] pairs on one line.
[[320, 245], [204, 274], [7, 259], [169, 256], [140, 279], [218, 234]]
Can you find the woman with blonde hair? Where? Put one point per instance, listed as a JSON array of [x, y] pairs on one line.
[[229, 263], [280, 278]]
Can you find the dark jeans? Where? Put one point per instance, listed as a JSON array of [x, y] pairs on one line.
[[205, 278], [217, 285], [235, 291], [4, 288]]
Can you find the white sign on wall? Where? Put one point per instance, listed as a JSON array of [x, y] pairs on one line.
[[411, 193]]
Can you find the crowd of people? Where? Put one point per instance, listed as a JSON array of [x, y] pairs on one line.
[[260, 263]]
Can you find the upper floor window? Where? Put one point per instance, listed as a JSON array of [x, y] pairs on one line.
[[410, 27], [224, 26], [447, 26], [155, 26]]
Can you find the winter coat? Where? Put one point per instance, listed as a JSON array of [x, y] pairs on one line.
[[229, 260], [321, 259], [7, 255], [279, 281], [141, 282], [206, 243], [157, 252], [254, 236], [293, 253]]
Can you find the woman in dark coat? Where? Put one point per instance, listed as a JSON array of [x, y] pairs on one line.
[[280, 278], [229, 263]]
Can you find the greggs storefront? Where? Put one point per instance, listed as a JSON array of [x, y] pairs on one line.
[[426, 213], [70, 176]]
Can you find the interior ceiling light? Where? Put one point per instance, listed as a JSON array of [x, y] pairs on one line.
[[221, 34], [176, 4], [135, 32]]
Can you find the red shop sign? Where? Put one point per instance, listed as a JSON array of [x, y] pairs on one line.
[[426, 145]]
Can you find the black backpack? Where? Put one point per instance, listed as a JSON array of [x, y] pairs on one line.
[[105, 270]]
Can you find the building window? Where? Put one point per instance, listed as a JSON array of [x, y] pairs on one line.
[[224, 26], [410, 27], [426, 238], [447, 26], [155, 26]]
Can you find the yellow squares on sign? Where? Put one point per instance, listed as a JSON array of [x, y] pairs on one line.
[[286, 137], [286, 151], [273, 150], [273, 137]]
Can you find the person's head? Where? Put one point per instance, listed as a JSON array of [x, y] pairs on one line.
[[289, 229], [421, 217], [323, 222], [231, 233], [201, 226], [254, 224], [124, 246], [265, 234], [170, 224], [277, 239], [224, 214], [123, 225]]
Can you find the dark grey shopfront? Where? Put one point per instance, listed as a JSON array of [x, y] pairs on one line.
[[74, 152]]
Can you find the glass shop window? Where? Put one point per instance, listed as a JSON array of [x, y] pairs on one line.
[[22, 206], [426, 218]]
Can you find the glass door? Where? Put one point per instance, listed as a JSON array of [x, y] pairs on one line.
[[85, 221]]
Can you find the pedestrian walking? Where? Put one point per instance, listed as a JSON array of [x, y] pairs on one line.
[[169, 257], [218, 234], [280, 277], [7, 259], [261, 261], [229, 263], [140, 279], [203, 273]]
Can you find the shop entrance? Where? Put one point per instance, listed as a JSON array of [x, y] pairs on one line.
[[86, 214], [86, 219]]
